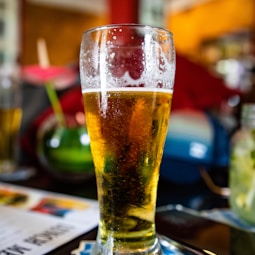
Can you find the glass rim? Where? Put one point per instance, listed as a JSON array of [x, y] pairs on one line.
[[131, 25]]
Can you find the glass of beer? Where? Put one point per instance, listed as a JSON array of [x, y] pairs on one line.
[[10, 118], [127, 76]]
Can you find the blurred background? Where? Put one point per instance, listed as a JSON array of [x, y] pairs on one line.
[[219, 33], [215, 44]]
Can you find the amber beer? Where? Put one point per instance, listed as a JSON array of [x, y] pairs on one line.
[[10, 119], [127, 128]]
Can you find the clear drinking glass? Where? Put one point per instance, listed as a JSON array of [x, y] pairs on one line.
[[127, 76], [10, 118]]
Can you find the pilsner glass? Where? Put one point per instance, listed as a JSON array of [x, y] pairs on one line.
[[127, 76]]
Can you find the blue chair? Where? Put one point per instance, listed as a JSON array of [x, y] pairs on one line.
[[195, 139]]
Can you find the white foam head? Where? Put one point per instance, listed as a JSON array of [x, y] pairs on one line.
[[111, 58]]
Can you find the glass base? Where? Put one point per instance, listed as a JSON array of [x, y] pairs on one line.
[[108, 249], [167, 246]]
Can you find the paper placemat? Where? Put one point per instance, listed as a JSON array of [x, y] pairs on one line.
[[35, 221]]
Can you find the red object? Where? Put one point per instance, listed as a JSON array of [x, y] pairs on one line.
[[123, 11], [61, 76], [196, 88]]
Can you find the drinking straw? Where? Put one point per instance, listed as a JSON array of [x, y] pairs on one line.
[[51, 92]]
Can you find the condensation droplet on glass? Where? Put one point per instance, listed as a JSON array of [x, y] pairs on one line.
[[114, 37], [159, 84], [112, 55]]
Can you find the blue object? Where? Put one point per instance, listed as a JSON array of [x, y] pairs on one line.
[[194, 139]]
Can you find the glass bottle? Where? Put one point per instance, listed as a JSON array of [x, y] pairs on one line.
[[242, 166]]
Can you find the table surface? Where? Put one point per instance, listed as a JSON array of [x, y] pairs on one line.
[[196, 196]]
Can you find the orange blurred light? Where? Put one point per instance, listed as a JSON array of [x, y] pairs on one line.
[[210, 20]]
